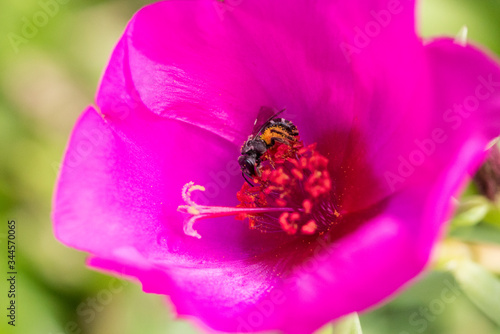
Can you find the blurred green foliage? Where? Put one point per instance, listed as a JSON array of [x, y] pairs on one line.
[[49, 78]]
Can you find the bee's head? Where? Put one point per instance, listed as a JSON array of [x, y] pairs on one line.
[[247, 164]]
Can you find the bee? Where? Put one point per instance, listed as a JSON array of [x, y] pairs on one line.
[[263, 137]]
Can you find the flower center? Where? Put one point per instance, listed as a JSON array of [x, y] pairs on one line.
[[291, 193]]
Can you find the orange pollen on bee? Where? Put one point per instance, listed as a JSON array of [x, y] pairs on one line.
[[291, 195], [276, 131]]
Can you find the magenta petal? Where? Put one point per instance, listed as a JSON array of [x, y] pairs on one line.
[[401, 123], [220, 296], [129, 212], [215, 64], [186, 61], [120, 187], [347, 276], [402, 236], [463, 94]]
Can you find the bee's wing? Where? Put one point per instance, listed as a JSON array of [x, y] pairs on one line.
[[265, 115]]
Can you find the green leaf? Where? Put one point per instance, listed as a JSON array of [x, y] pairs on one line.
[[327, 329], [493, 216], [471, 211], [479, 233], [480, 286], [347, 325]]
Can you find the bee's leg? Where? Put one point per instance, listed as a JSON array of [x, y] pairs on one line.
[[271, 162], [257, 170], [245, 177]]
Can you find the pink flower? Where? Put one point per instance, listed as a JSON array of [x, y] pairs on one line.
[[400, 123]]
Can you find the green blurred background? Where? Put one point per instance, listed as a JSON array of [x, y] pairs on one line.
[[52, 76]]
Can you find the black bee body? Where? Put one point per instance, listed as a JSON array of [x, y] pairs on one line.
[[264, 137]]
